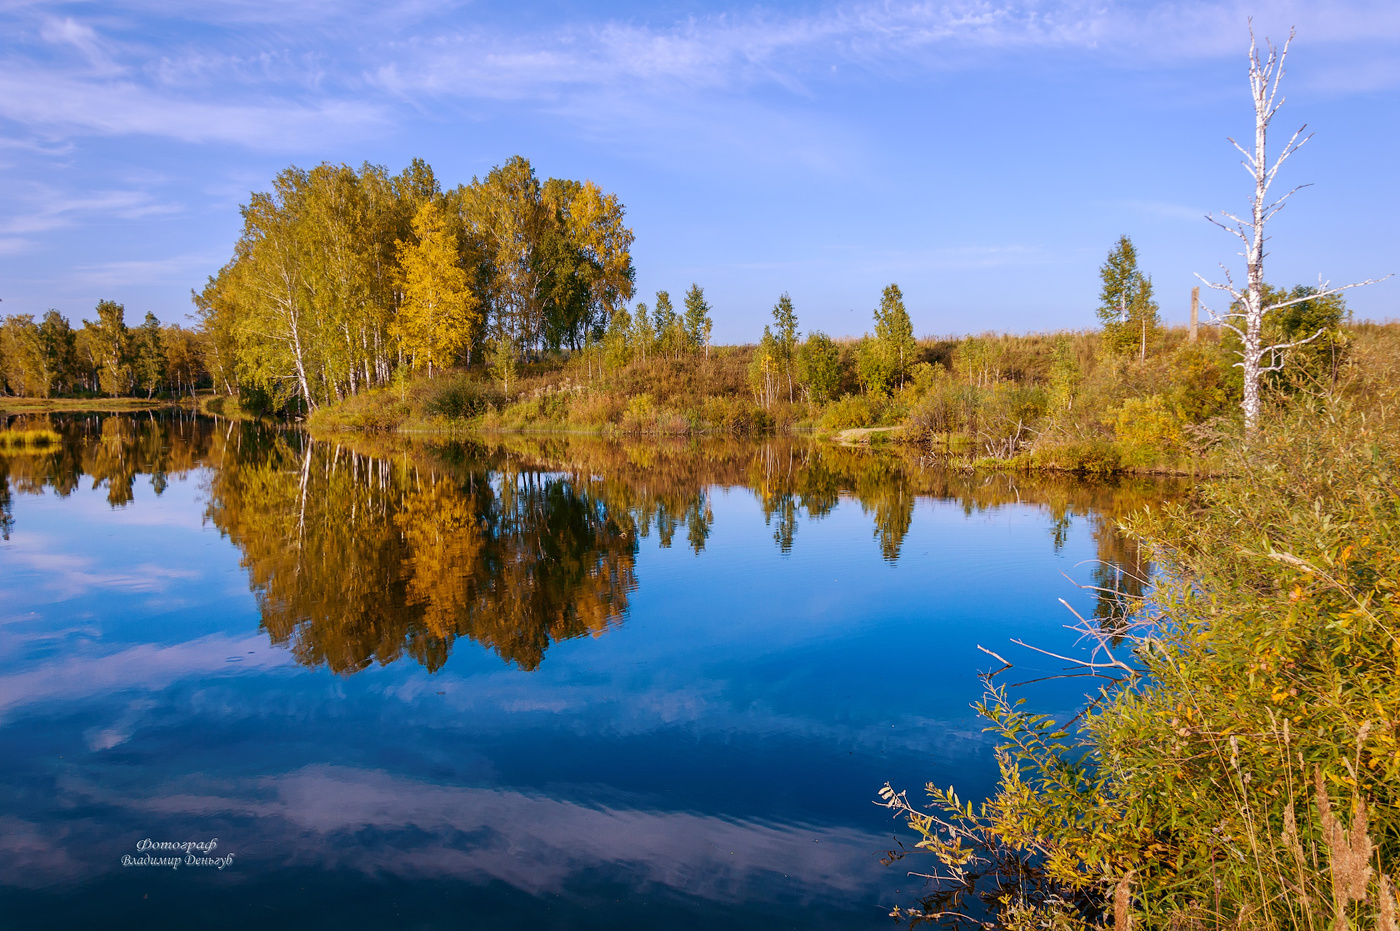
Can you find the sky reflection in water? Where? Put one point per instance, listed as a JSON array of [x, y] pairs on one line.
[[560, 683]]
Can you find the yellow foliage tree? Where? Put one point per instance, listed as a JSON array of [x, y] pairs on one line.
[[439, 312]]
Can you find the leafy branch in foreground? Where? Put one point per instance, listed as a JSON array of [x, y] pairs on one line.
[[1246, 773]]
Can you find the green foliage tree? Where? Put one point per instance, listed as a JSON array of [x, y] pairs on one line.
[[148, 356], [504, 359], [643, 333], [59, 352], [1126, 308], [1318, 320], [617, 342], [698, 324], [109, 343], [785, 327], [895, 333], [671, 339], [875, 366], [819, 367]]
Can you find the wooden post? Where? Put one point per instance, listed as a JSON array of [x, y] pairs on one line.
[[1195, 310]]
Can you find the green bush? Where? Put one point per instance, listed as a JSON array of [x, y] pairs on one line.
[[460, 397], [854, 410]]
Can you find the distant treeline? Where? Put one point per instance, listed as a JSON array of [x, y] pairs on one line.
[[48, 357], [343, 278]]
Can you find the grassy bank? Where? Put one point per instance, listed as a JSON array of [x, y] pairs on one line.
[[12, 405], [1044, 402], [1240, 767]]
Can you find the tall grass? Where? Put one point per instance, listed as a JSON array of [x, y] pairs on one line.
[[16, 440]]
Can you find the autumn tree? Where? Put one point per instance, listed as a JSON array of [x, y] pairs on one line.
[[183, 370], [438, 314], [22, 352], [336, 281], [217, 334], [765, 369]]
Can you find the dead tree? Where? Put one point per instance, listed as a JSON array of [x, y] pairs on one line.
[[1245, 316]]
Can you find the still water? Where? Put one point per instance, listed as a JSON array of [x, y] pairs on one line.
[[514, 683]]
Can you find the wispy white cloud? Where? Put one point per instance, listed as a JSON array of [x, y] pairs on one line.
[[314, 72], [1164, 210], [60, 102], [45, 208], [732, 51], [146, 272]]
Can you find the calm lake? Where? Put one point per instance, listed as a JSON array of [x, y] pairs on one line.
[[512, 683]]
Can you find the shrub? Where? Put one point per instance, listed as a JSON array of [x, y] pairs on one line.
[[854, 410], [459, 397], [1148, 423], [639, 416]]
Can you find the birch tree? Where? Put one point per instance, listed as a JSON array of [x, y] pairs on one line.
[[785, 319], [895, 331], [698, 324], [1251, 304]]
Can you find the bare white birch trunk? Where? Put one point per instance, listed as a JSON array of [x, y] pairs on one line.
[[1248, 309]]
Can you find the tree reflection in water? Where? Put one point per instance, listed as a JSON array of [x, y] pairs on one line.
[[358, 557], [363, 551]]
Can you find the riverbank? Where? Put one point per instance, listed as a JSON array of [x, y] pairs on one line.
[[1237, 764], [1056, 402], [13, 405]]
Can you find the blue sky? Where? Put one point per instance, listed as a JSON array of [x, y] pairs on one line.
[[984, 155]]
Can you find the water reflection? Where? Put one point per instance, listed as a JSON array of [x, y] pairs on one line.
[[358, 558], [363, 552], [224, 629]]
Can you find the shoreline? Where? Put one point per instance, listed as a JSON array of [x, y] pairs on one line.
[[870, 438]]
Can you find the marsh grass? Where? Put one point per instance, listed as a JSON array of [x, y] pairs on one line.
[[23, 440]]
